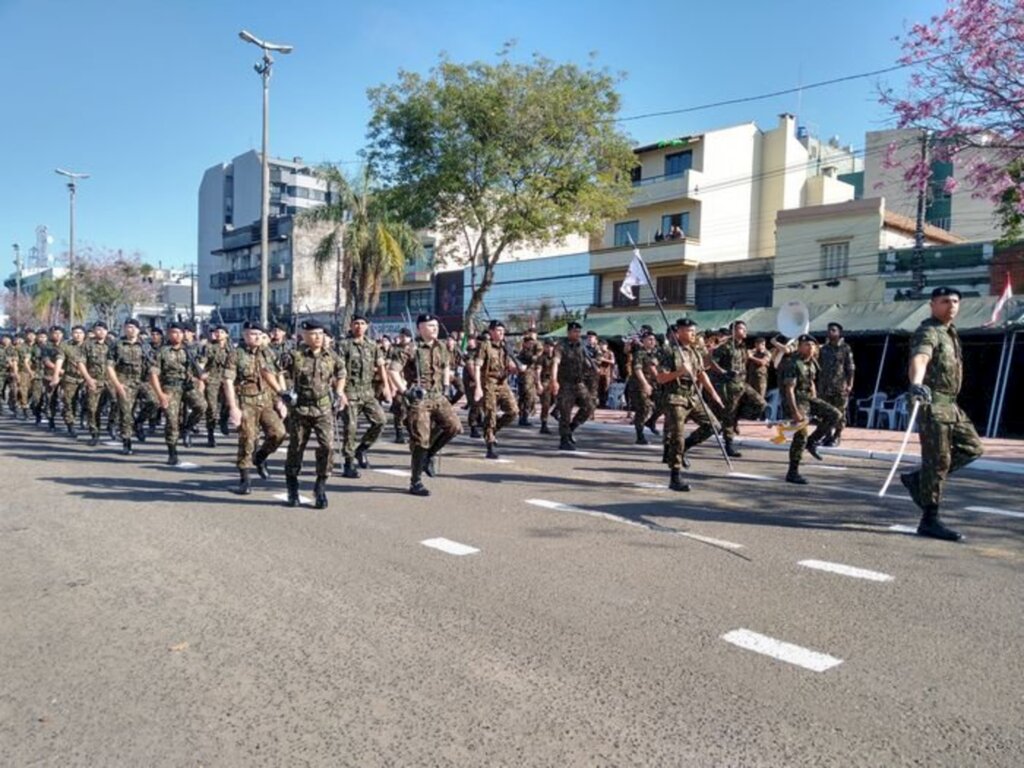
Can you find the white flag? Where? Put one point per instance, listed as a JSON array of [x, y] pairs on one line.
[[635, 275], [1004, 297]]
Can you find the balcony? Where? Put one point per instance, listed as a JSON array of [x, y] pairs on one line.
[[666, 252], [241, 314], [662, 189], [937, 257], [222, 280]]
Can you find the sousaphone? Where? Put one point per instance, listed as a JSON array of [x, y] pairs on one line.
[[793, 320]]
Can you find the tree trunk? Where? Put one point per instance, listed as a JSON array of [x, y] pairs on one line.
[[476, 299]]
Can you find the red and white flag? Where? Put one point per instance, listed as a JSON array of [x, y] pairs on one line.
[[1004, 297]]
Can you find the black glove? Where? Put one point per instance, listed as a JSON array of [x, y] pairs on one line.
[[414, 394], [731, 375], [920, 393]]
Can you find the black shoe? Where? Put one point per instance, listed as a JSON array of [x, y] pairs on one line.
[[812, 449], [828, 442], [224, 430], [94, 441], [641, 439], [836, 441], [211, 441], [522, 421], [361, 450], [292, 486], [794, 476], [320, 493], [126, 448], [686, 462], [400, 437], [429, 466], [418, 489], [566, 445], [52, 426], [572, 438], [933, 528], [39, 419], [186, 438], [544, 429], [72, 433], [261, 469], [140, 431], [651, 425], [172, 457], [350, 471], [475, 432], [731, 452], [244, 486], [676, 483], [491, 453], [912, 482]]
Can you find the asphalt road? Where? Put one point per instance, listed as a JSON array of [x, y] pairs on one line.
[[150, 617]]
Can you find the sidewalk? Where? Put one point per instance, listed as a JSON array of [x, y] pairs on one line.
[[1001, 455]]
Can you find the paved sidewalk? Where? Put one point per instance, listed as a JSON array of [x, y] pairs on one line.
[[1001, 455]]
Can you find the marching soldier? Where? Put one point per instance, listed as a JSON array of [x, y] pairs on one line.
[[529, 379], [642, 382], [67, 379], [835, 379], [605, 360], [37, 390], [680, 371], [50, 382], [948, 439], [25, 370], [93, 368], [491, 368], [399, 408], [213, 356], [252, 405], [458, 361], [7, 377], [362, 360], [728, 361], [571, 376], [802, 403], [757, 367], [127, 367], [420, 374], [545, 366], [318, 378], [172, 377], [475, 407]]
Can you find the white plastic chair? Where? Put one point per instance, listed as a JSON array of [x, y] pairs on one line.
[[774, 400], [870, 407], [616, 399]]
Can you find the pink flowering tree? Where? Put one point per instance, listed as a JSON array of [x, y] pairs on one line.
[[114, 281], [967, 89]]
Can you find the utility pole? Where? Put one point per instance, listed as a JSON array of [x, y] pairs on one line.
[[917, 262], [72, 188], [192, 293], [17, 287]]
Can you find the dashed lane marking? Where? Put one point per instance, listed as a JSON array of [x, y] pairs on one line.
[[996, 511], [903, 529], [566, 453], [112, 444], [832, 467], [394, 472], [845, 570], [746, 476], [284, 497], [449, 546], [780, 650], [708, 540], [186, 465]]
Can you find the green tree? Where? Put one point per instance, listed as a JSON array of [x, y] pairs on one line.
[[52, 301], [114, 282], [497, 156], [366, 243]]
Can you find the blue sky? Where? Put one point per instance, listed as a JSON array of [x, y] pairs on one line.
[[145, 95]]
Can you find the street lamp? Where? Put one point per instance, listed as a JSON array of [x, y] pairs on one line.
[[72, 178], [17, 286], [263, 69]]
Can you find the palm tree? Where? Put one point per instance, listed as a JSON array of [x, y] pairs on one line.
[[53, 299], [367, 243]]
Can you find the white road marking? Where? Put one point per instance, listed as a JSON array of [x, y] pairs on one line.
[[652, 486], [449, 546], [862, 492], [284, 497], [903, 529], [996, 511], [394, 472], [568, 453], [777, 649], [833, 467], [709, 540], [187, 465], [745, 476], [845, 570], [282, 449], [112, 444]]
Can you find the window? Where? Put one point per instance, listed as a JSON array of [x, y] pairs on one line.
[[625, 230], [835, 260], [681, 220], [672, 289], [636, 174], [619, 300], [678, 162]]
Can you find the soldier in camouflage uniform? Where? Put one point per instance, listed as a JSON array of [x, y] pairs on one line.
[[680, 371], [37, 388], [51, 394], [213, 356], [835, 379], [475, 415], [642, 382], [172, 376], [252, 405], [728, 363], [529, 379], [399, 408], [149, 405], [317, 375], [491, 368], [421, 375], [545, 365], [6, 376], [93, 368], [757, 367], [948, 439], [571, 377], [67, 379], [362, 360], [456, 390], [24, 359], [802, 403], [127, 367]]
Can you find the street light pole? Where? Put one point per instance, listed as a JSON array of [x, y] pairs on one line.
[[72, 188], [17, 287], [263, 69]]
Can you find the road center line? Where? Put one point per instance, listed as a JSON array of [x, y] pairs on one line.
[[449, 546], [996, 511], [782, 651], [708, 540], [845, 570]]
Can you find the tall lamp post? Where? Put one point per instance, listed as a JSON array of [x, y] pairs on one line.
[[263, 68], [72, 188], [17, 286]]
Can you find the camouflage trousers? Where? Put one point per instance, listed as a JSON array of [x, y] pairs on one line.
[[528, 396], [432, 423], [677, 411], [360, 404], [840, 402], [24, 389], [257, 414], [642, 405], [572, 396], [546, 401], [68, 390], [126, 406], [498, 397], [212, 395], [93, 405], [948, 442], [193, 399], [302, 426], [37, 395], [400, 411], [740, 401], [828, 417]]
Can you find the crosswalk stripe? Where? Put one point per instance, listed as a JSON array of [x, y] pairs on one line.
[[781, 650], [845, 570]]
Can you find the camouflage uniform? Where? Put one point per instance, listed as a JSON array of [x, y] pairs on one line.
[[836, 364], [529, 355], [315, 375], [948, 439], [399, 408], [131, 365], [51, 393], [739, 399], [174, 370], [95, 355], [7, 387], [493, 362], [803, 372], [546, 362], [37, 388], [26, 360], [244, 367], [361, 361], [575, 376], [757, 375], [69, 354], [682, 402], [641, 403], [214, 359]]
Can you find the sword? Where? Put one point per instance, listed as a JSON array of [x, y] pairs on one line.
[[903, 447]]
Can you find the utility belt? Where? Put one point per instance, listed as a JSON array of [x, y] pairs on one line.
[[310, 400], [172, 384], [249, 390], [941, 398], [127, 370]]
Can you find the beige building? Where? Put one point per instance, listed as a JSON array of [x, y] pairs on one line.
[[829, 253], [713, 198]]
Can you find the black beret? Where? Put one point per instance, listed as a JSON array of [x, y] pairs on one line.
[[483, 336], [312, 325], [405, 332], [157, 329], [132, 321], [647, 328], [685, 322], [736, 323], [78, 328], [647, 334], [804, 337], [99, 324], [723, 329], [591, 333], [174, 327], [221, 328], [426, 317], [945, 290], [56, 328], [573, 326], [359, 317], [495, 324], [252, 325], [836, 325]]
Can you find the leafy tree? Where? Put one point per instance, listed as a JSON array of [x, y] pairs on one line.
[[367, 242], [52, 301], [496, 156], [114, 282], [968, 90]]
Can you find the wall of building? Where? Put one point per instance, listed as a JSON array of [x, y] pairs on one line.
[[523, 287], [211, 227], [729, 202]]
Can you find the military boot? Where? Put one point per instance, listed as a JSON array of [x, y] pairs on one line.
[[641, 439], [676, 483], [350, 470], [932, 527], [140, 430], [126, 447], [911, 481], [172, 456], [474, 431], [320, 493], [259, 461], [51, 425], [361, 450], [812, 448], [429, 465], [794, 476], [544, 428], [651, 424], [244, 486], [566, 444], [94, 441], [523, 421], [688, 443], [491, 452], [72, 433], [730, 450], [416, 487], [291, 483], [186, 438], [211, 441]]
